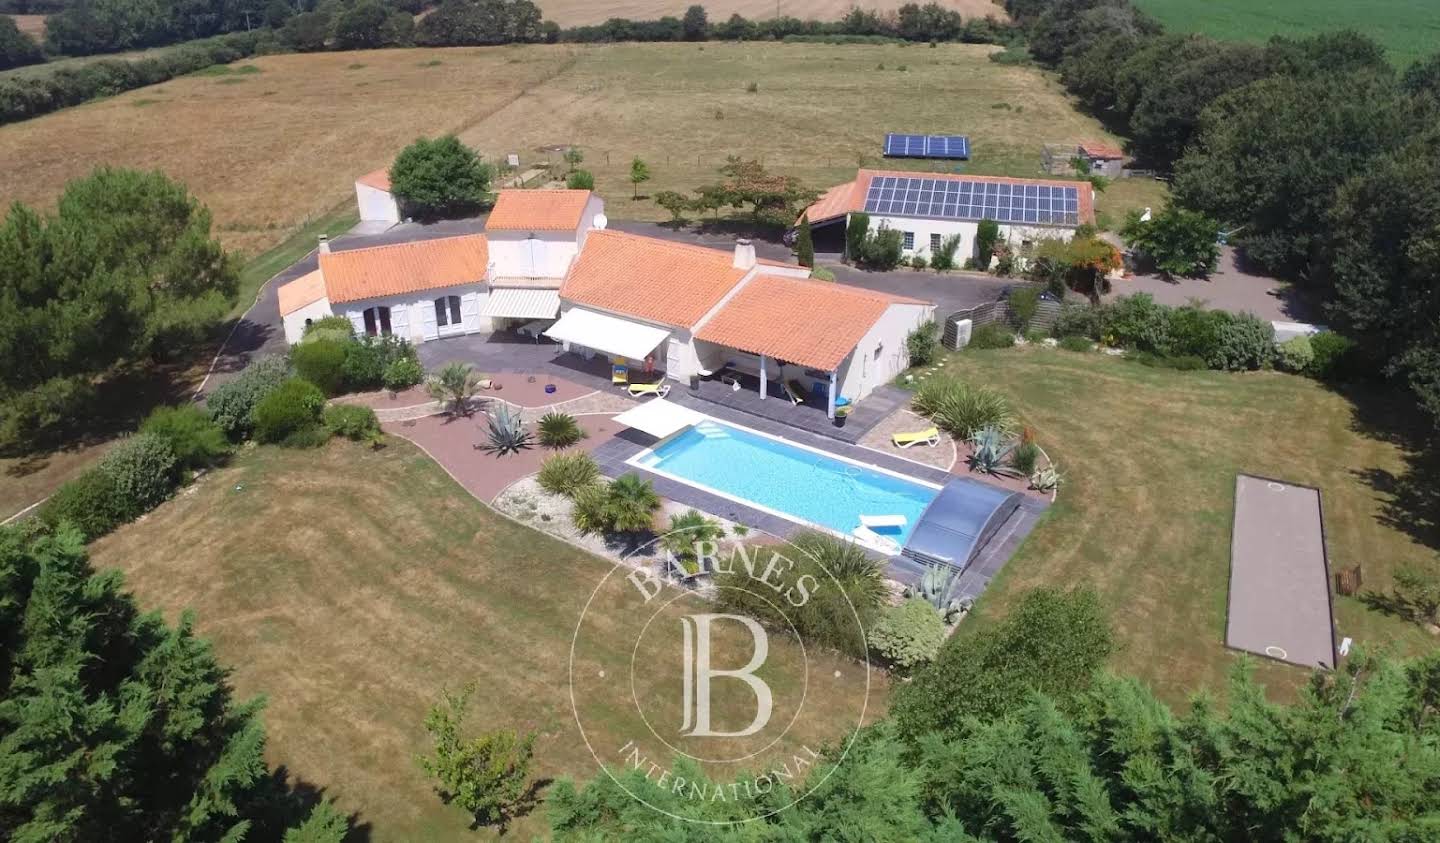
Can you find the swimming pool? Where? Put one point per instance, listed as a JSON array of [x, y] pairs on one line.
[[791, 481]]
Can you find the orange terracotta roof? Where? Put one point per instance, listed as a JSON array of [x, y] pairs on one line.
[[854, 200], [669, 283], [380, 180], [405, 267], [835, 202], [307, 289], [1101, 150], [538, 210], [810, 323]]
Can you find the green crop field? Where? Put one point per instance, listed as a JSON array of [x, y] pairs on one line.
[[1409, 29]]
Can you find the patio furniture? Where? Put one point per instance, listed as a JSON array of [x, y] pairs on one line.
[[639, 390], [873, 540], [619, 375], [796, 392], [873, 521], [929, 436]]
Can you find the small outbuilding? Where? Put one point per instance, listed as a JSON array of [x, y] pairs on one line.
[[374, 199]]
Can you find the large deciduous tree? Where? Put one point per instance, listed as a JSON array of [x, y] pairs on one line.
[[1271, 155], [459, 23], [1179, 242], [1384, 267], [439, 178], [16, 48], [126, 269]]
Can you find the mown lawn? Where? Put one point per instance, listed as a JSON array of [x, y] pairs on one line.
[[350, 585], [1150, 458]]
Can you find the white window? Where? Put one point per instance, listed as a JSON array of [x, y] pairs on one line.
[[934, 243], [447, 311], [909, 241]]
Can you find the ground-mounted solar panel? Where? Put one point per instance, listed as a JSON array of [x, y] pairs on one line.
[[963, 199], [956, 147]]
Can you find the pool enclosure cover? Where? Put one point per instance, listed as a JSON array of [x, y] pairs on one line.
[[959, 521]]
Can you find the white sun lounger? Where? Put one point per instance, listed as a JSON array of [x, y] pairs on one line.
[[883, 520], [877, 542]]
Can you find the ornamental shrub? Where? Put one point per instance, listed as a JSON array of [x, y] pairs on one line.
[[1024, 301], [580, 180], [322, 362], [960, 408], [993, 335], [559, 430], [1295, 354], [293, 408], [1075, 342], [90, 502], [1333, 354], [909, 634], [1194, 331], [1077, 320], [195, 438], [403, 373], [923, 344], [232, 405], [1246, 342], [569, 473], [368, 358], [144, 471], [353, 422], [1137, 322]]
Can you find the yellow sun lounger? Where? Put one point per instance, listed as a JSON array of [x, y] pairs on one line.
[[929, 436], [795, 390], [640, 389]]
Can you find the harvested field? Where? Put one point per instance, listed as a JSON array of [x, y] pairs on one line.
[[32, 25], [580, 12], [269, 150]]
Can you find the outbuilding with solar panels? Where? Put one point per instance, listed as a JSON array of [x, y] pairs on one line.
[[927, 208]]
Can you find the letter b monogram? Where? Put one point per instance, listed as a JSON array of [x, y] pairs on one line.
[[698, 673]]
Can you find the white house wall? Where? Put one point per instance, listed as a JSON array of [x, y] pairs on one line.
[[295, 322], [593, 208], [923, 228], [412, 316], [540, 254], [881, 355], [376, 205]]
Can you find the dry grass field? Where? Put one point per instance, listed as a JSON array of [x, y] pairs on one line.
[[271, 147], [580, 12], [1149, 458], [350, 585]]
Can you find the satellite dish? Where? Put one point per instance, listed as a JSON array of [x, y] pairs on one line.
[[601, 221]]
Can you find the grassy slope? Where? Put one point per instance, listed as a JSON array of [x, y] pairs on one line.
[[349, 585], [1408, 28], [1150, 458]]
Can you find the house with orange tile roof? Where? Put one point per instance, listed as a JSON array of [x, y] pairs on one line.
[[929, 208], [683, 311], [428, 289]]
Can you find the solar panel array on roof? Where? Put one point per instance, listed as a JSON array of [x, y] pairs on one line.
[[961, 199], [927, 146]]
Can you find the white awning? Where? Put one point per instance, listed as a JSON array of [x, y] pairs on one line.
[[659, 417], [609, 334], [522, 304]]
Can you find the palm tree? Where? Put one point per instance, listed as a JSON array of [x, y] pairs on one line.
[[685, 531], [632, 504], [859, 576], [455, 383]]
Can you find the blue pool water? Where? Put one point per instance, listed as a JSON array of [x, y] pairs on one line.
[[807, 485]]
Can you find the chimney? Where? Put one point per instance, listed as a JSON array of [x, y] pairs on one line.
[[744, 254], [324, 245]]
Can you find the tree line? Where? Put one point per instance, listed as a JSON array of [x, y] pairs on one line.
[[1316, 154]]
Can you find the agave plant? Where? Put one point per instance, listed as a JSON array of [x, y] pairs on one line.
[[990, 452], [507, 433], [934, 588], [1046, 479]]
